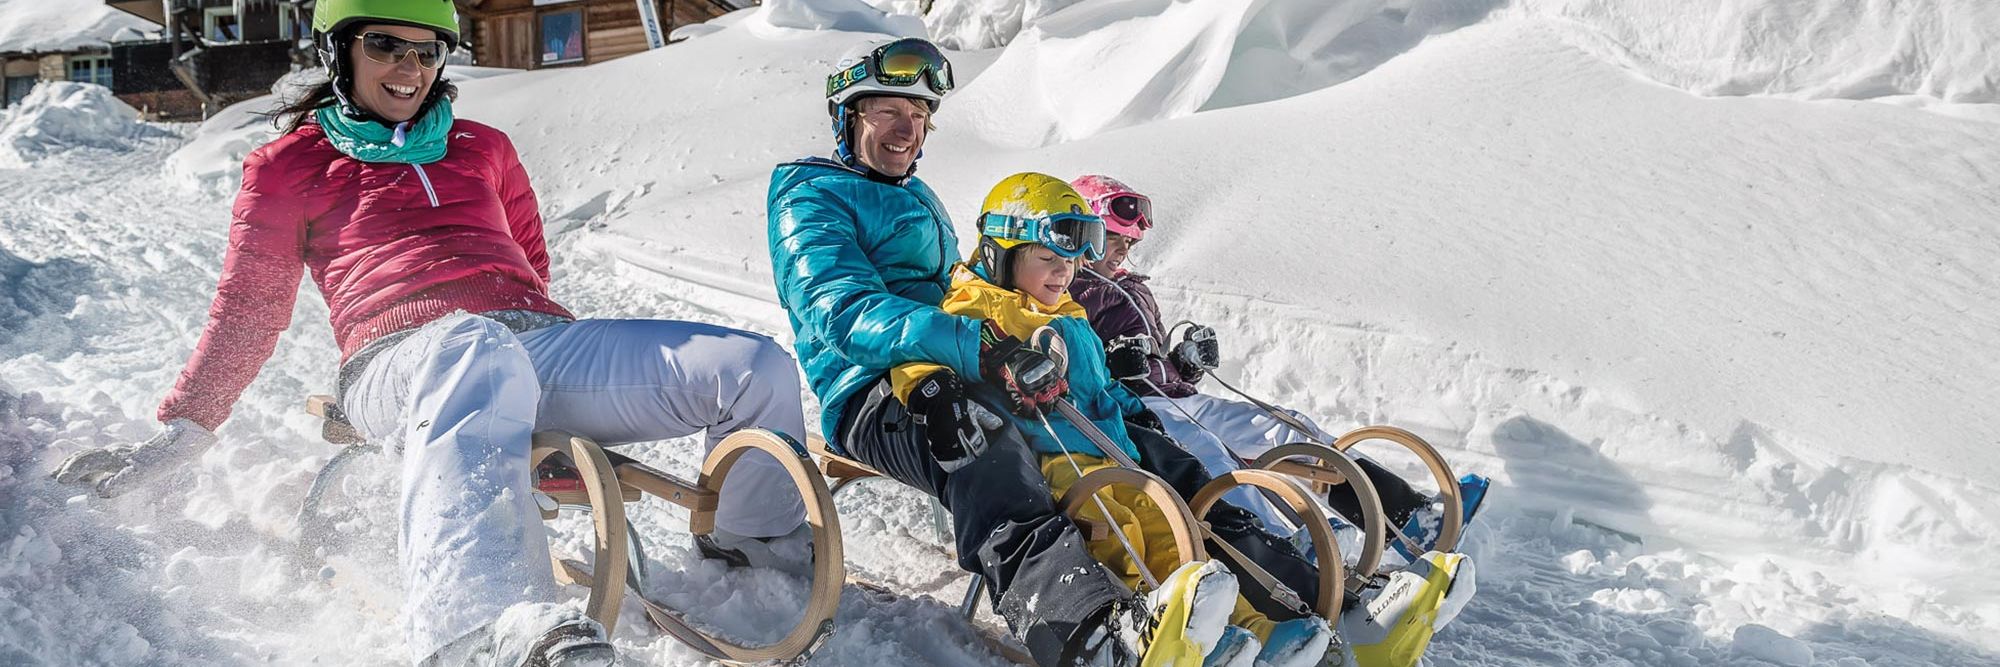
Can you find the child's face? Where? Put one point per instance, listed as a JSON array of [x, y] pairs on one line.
[[1116, 248], [1042, 273]]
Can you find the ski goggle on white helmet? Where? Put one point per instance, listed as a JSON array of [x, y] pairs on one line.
[[900, 64]]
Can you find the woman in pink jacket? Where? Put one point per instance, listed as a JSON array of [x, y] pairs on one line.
[[421, 232]]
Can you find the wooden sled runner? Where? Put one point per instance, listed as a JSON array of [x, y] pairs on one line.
[[1328, 465], [609, 480]]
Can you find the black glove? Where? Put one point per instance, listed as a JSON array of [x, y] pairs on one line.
[[1147, 420], [954, 424], [1197, 353], [1126, 357], [1029, 377]]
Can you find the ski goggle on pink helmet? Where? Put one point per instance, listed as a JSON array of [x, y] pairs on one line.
[[1124, 210]]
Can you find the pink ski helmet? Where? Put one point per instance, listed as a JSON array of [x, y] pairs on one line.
[[1124, 210]]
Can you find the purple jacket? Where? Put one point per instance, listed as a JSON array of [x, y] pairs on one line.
[[1122, 305]]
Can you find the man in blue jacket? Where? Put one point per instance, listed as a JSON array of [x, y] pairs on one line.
[[861, 251]]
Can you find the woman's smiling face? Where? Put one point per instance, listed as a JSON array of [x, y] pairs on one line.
[[394, 92]]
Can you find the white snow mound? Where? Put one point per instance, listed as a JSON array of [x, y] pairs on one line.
[[60, 25], [1845, 49], [778, 16], [1099, 66], [61, 115], [984, 24]]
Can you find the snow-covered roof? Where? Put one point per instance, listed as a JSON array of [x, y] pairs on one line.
[[29, 26]]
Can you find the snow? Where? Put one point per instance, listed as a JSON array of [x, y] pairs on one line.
[[843, 15], [983, 24], [33, 26], [63, 115], [1845, 49], [1725, 350]]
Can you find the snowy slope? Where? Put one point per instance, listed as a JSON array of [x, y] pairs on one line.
[[29, 26], [1728, 359]]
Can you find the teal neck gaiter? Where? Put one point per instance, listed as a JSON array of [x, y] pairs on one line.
[[422, 142]]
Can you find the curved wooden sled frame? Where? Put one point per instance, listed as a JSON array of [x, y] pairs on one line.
[[604, 471], [845, 471], [1448, 491], [1335, 468], [1330, 474], [607, 573], [1332, 568], [1187, 530]]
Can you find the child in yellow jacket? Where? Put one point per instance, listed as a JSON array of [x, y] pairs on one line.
[[1033, 229]]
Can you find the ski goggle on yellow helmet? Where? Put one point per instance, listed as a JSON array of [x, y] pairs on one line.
[[1038, 208]]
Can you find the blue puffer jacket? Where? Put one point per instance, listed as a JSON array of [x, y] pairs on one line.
[[861, 266]]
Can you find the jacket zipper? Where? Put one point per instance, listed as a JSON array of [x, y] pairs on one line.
[[421, 176]]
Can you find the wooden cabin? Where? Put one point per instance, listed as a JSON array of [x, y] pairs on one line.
[[533, 34], [214, 53], [82, 53], [217, 52]]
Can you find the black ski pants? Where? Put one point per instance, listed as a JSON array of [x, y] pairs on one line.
[[1399, 500], [1040, 576]]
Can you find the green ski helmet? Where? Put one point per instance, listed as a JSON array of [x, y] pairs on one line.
[[332, 16], [332, 25]]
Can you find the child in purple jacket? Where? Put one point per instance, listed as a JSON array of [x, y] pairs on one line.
[[1123, 312]]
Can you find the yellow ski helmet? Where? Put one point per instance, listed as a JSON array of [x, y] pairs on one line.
[[1031, 207]]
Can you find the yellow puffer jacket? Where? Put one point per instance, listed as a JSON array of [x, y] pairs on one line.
[[1103, 401]]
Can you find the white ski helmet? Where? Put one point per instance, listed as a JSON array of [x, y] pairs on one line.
[[910, 67]]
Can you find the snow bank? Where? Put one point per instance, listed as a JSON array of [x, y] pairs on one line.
[[1849, 49], [1076, 69], [58, 25], [778, 16], [212, 159], [985, 24], [1102, 65], [62, 115]]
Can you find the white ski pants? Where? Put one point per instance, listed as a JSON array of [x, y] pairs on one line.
[[462, 397], [1202, 423]]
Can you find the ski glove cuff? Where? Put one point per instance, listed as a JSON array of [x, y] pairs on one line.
[[1029, 377], [115, 469], [954, 424]]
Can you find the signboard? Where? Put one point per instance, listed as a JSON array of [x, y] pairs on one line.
[[649, 17]]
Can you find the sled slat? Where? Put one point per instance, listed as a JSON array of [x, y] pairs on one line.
[[641, 477]]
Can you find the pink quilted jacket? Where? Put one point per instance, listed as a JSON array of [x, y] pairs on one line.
[[391, 246]]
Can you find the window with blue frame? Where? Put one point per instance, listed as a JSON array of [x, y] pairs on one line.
[[91, 69]]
